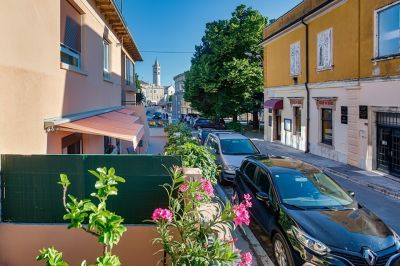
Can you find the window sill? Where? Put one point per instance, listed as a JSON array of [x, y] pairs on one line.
[[108, 80], [326, 145], [73, 69], [385, 58], [324, 69]]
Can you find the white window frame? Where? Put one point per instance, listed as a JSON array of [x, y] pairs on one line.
[[376, 30], [330, 51], [106, 59], [69, 51], [295, 70]]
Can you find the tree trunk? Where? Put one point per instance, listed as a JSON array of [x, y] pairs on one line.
[[234, 118], [256, 122]]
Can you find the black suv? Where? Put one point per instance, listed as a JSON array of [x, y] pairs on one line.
[[310, 218]]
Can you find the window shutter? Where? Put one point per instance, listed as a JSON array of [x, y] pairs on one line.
[[295, 58], [70, 26], [324, 45]]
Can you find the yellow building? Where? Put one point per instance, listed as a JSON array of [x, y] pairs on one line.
[[332, 81]]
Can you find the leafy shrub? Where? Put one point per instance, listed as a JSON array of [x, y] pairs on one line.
[[93, 219], [178, 134], [195, 156], [190, 234], [236, 126]]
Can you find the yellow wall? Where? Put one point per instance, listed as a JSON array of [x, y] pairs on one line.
[[344, 23], [352, 58], [390, 67], [277, 59]]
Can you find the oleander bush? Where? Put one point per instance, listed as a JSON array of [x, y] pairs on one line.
[[193, 235]]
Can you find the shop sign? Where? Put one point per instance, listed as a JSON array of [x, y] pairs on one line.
[[363, 112], [296, 101], [326, 102]]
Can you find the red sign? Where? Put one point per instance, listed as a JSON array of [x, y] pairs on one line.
[[296, 101], [326, 103]]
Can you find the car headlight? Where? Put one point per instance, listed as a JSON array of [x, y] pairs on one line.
[[309, 242], [396, 237], [230, 169]]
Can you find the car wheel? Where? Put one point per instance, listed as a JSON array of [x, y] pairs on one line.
[[282, 253]]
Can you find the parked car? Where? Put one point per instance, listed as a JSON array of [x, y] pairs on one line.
[[203, 133], [202, 122], [157, 115], [230, 149], [310, 218]]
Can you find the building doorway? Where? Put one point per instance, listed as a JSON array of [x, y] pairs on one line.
[[278, 125], [388, 146], [72, 144]]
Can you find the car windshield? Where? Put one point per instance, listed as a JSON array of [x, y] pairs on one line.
[[203, 120], [311, 190], [238, 147]]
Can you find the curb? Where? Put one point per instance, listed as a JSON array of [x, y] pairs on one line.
[[372, 186]]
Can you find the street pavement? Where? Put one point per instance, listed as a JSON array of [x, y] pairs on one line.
[[378, 193]]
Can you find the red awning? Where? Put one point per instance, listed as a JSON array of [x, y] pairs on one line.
[[118, 124], [274, 104]]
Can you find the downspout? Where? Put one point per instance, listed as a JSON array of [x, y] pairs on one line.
[[307, 92]]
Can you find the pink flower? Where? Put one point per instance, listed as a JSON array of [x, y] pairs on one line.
[[162, 214], [247, 199], [199, 196], [207, 187], [247, 259], [242, 215], [184, 187]]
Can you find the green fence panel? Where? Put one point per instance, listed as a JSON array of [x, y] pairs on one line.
[[30, 192]]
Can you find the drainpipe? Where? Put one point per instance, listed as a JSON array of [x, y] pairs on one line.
[[307, 91]]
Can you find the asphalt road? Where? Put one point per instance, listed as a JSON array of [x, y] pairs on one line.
[[386, 207]]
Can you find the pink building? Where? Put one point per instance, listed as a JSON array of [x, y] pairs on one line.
[[66, 79]]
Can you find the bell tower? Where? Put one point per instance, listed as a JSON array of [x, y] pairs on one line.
[[157, 73]]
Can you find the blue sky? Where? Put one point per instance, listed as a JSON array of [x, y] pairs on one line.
[[178, 25]]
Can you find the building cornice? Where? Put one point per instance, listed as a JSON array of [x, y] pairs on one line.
[[320, 10], [337, 84]]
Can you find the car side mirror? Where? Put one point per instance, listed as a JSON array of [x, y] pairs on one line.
[[262, 196], [352, 193]]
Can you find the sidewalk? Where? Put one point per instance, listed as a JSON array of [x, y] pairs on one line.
[[379, 182], [157, 141]]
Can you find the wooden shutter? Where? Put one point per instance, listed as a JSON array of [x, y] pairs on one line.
[[70, 26]]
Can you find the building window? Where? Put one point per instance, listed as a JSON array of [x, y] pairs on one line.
[[326, 118], [106, 60], [297, 120], [388, 35], [324, 49], [295, 59], [129, 70], [70, 35]]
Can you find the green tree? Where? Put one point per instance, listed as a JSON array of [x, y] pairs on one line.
[[139, 94], [223, 81]]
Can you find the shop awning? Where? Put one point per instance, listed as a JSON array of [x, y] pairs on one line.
[[120, 124], [274, 104]]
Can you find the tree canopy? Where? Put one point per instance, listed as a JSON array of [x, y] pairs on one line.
[[223, 81]]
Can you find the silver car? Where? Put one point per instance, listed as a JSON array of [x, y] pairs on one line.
[[230, 150]]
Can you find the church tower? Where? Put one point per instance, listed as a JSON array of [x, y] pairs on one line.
[[157, 73]]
